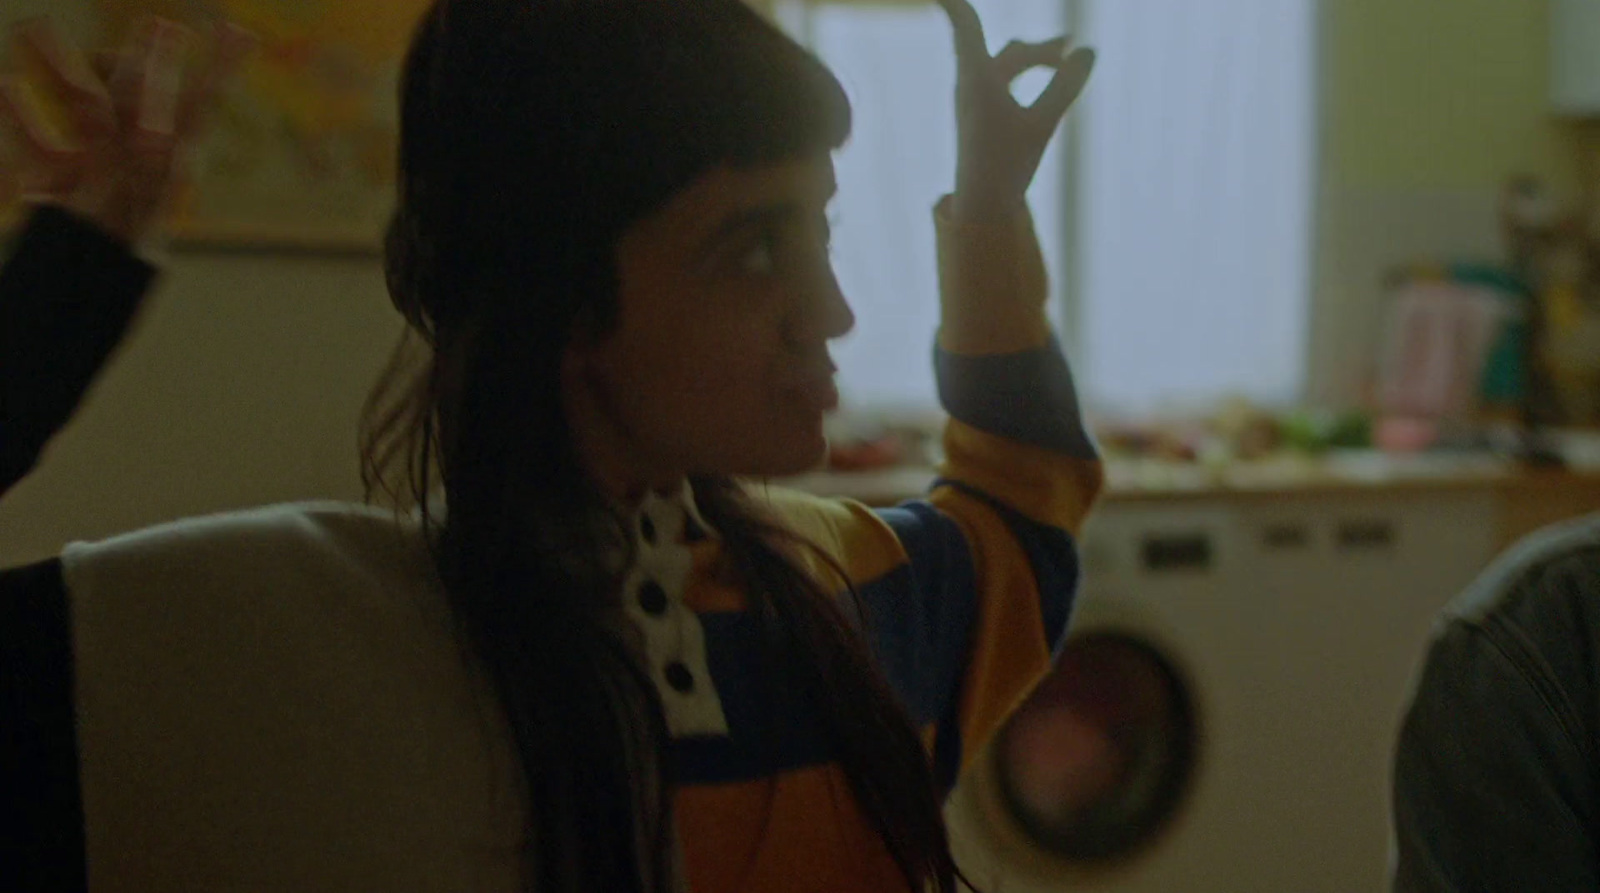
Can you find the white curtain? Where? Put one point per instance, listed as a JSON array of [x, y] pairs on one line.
[[898, 65], [1177, 234], [1196, 179]]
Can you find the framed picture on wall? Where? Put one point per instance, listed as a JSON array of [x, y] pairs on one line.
[[300, 154]]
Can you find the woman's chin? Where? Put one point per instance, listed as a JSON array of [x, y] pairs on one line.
[[783, 447], [799, 454], [801, 461]]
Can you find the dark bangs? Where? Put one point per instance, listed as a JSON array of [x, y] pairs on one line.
[[733, 88], [697, 84], [534, 131]]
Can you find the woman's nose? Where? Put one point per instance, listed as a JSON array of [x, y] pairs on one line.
[[835, 316]]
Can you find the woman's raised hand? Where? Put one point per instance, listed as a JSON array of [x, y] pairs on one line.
[[1001, 141], [127, 122]]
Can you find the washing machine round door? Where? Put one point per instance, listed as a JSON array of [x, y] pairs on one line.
[[1098, 759]]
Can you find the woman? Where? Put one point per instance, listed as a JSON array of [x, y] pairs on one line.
[[589, 660]]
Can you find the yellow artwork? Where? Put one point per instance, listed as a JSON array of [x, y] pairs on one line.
[[301, 153]]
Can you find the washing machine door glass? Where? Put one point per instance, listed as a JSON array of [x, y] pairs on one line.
[[1100, 756]]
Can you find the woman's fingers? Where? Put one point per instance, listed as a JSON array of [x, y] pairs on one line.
[[10, 176], [230, 46], [104, 63], [28, 126], [161, 81], [49, 165], [1072, 73], [82, 93], [971, 45], [1019, 57], [126, 81]]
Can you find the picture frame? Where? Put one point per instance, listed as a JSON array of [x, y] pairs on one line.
[[300, 151]]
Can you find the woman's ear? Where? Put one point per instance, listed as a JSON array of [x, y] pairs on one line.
[[583, 342], [575, 364], [582, 354]]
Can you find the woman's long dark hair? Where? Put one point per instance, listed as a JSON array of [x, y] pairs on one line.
[[534, 132]]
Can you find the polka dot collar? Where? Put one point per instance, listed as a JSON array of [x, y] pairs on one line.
[[663, 528]]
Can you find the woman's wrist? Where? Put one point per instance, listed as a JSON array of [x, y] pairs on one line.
[[992, 278], [118, 211], [975, 206]]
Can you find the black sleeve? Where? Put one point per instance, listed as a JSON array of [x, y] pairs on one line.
[[41, 811], [67, 295]]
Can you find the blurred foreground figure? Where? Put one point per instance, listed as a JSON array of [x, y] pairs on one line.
[[1495, 780]]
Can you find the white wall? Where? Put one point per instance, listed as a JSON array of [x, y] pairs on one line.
[[242, 384], [1428, 108]]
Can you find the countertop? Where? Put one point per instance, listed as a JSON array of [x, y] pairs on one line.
[[1347, 472]]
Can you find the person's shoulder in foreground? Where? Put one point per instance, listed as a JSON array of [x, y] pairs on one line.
[[1495, 769]]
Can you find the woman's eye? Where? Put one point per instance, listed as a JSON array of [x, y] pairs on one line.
[[760, 259], [787, 251]]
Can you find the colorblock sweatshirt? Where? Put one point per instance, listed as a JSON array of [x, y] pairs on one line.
[[276, 700]]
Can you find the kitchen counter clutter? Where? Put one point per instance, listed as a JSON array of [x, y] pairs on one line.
[[1528, 497], [1128, 479]]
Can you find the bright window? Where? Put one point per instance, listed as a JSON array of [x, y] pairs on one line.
[[1175, 211]]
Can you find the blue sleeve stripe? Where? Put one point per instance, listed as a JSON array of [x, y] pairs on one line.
[[1028, 397], [925, 650], [920, 617], [1053, 555]]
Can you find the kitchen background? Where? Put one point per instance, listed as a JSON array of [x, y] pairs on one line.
[[1315, 260], [1419, 117]]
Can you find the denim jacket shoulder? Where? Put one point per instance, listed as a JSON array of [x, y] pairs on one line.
[[1494, 773]]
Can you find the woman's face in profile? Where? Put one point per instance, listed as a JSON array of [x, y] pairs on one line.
[[719, 360]]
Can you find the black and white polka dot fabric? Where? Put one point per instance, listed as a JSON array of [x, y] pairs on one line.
[[674, 640]]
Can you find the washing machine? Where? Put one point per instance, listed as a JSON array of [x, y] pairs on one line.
[[1223, 711]]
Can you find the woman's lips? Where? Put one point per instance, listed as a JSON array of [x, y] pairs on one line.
[[809, 380], [818, 392], [812, 384]]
